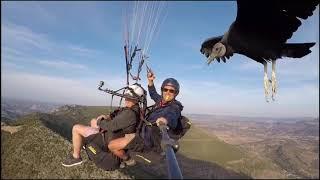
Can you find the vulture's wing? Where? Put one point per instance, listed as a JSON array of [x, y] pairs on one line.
[[207, 45], [272, 19]]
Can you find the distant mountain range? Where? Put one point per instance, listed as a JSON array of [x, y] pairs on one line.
[[11, 109], [212, 117], [290, 144], [14, 108]]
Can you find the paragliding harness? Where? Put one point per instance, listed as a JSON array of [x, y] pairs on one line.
[[165, 142], [183, 123], [98, 152]]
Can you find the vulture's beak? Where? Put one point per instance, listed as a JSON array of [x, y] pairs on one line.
[[211, 58]]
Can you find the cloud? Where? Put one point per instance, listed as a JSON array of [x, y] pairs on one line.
[[21, 10], [193, 67], [13, 58], [55, 89], [82, 50], [305, 68], [24, 48], [12, 65], [191, 45], [230, 99], [22, 45], [249, 65], [22, 38], [11, 51], [63, 64], [289, 70], [56, 16]]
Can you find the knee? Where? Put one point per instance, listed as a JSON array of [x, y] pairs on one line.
[[75, 128], [113, 146], [93, 122], [110, 146]]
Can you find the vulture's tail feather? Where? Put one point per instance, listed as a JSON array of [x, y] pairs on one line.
[[297, 50]]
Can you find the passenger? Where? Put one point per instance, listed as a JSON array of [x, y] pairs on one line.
[[121, 123]]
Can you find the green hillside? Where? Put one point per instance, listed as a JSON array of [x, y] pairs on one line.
[[37, 152], [198, 144], [201, 145], [82, 114]]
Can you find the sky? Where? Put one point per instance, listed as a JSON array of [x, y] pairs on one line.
[[60, 51]]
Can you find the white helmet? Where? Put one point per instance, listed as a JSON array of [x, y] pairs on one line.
[[138, 90]]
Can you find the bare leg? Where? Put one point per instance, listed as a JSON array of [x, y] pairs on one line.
[[78, 133], [121, 154], [93, 123], [76, 140], [116, 146], [274, 81]]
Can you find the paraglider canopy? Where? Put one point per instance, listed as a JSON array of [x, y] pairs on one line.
[[142, 21]]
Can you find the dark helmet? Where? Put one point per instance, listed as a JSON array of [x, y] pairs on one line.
[[171, 82]]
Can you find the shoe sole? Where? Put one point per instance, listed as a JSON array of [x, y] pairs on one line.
[[131, 164], [126, 165], [78, 163]]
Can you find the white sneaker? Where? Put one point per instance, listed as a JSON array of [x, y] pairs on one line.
[[129, 162]]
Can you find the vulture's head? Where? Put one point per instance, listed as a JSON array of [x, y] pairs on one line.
[[218, 51]]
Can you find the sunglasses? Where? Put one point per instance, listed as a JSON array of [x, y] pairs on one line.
[[170, 90]]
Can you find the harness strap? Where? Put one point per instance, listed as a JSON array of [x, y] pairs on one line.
[[158, 106], [153, 108], [147, 122], [103, 138]]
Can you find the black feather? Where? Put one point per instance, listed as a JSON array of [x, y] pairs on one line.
[[223, 59], [295, 50]]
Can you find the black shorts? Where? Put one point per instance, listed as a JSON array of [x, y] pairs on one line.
[[99, 154], [136, 144]]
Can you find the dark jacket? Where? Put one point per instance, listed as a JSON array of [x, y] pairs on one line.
[[124, 121], [171, 111]]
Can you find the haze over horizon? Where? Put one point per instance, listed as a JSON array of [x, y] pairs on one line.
[[196, 116]]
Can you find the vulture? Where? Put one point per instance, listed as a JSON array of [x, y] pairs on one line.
[[260, 32]]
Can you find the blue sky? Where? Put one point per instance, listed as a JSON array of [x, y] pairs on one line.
[[59, 51]]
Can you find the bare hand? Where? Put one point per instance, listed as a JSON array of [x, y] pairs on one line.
[[162, 121], [151, 76], [101, 117]]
